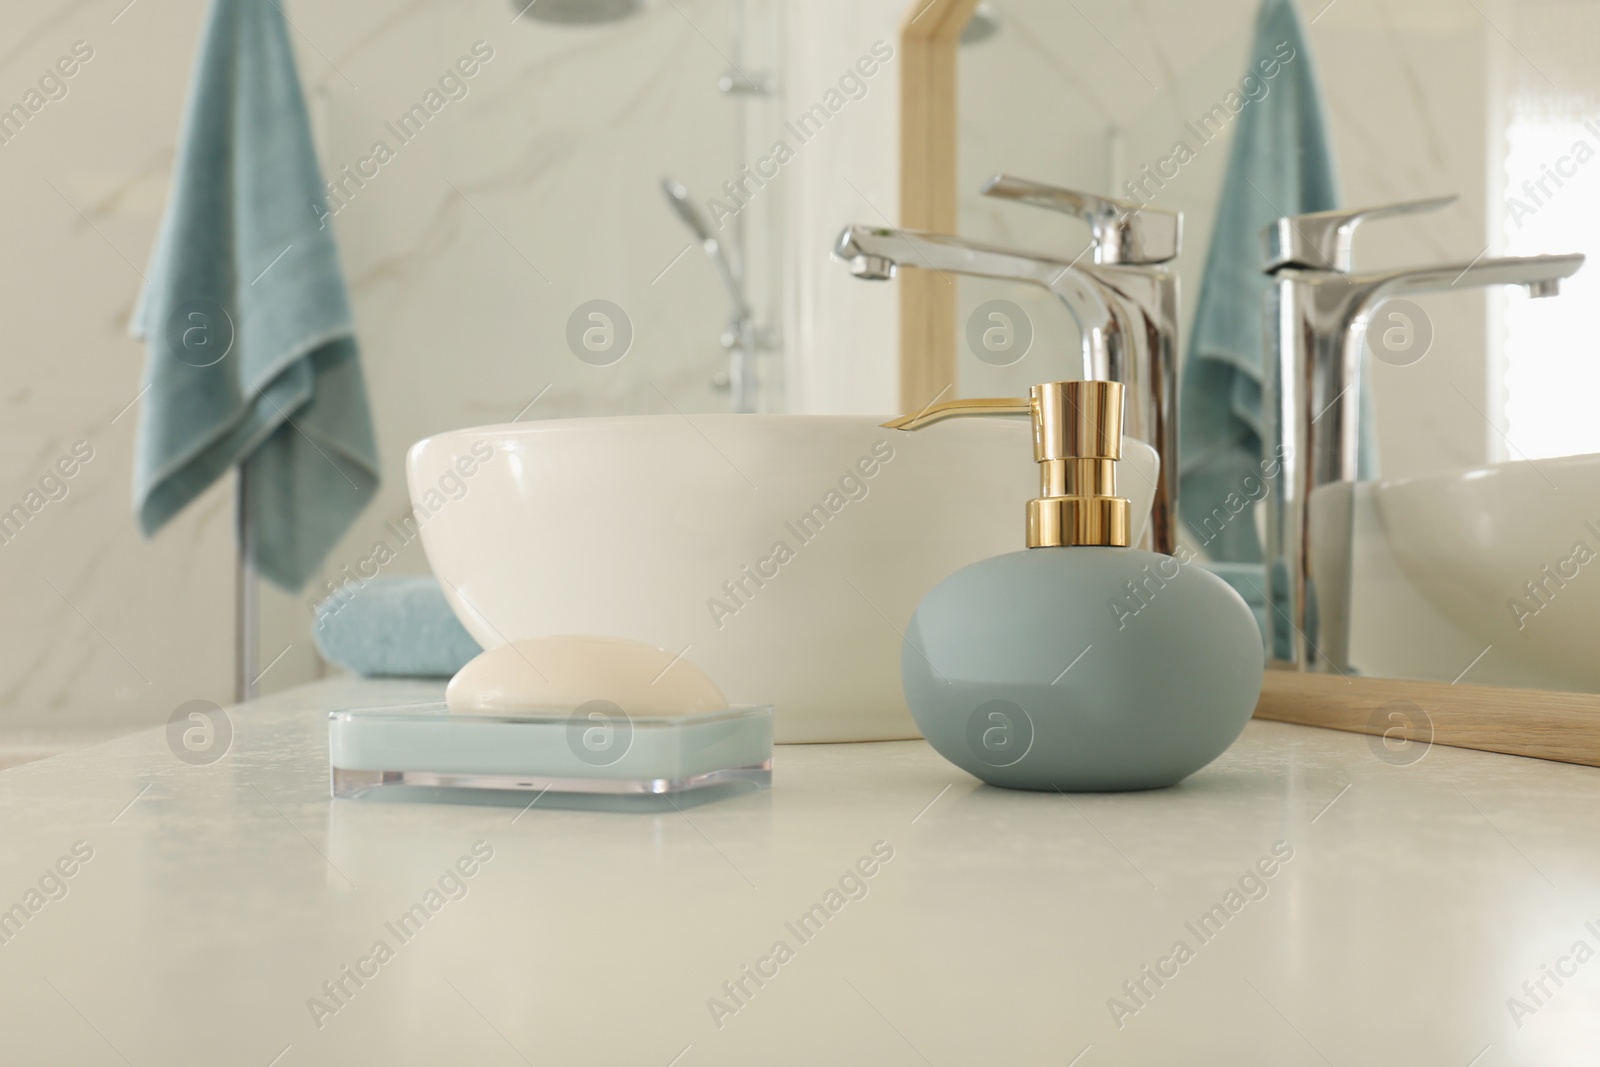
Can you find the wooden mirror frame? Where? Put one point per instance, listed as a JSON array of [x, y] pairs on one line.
[[1544, 724], [930, 37]]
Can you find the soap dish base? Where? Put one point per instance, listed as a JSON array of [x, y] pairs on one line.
[[353, 783], [597, 757]]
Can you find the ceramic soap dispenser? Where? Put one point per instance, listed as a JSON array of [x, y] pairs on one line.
[[1079, 664]]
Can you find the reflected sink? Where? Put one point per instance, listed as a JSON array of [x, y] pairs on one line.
[[1502, 561], [668, 530]]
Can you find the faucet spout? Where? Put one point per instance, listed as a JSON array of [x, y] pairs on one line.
[[1127, 315], [1541, 275], [1125, 304], [877, 252], [1341, 308]]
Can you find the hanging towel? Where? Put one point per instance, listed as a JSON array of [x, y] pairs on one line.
[[1281, 163], [393, 627], [1247, 580], [251, 349]]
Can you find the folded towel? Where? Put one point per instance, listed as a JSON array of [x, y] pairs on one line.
[[393, 627], [1249, 581], [251, 348], [1281, 163]]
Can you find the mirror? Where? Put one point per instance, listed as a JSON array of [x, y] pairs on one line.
[[1471, 555]]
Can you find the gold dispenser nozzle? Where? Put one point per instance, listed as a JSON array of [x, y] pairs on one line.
[[1077, 440]]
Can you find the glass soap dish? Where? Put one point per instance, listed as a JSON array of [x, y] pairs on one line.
[[597, 752]]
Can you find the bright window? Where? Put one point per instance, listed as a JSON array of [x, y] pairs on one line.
[[1552, 347]]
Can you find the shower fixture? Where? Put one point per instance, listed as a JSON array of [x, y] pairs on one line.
[[984, 24], [577, 12], [740, 338]]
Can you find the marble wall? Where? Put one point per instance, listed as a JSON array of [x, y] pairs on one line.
[[466, 255], [841, 334]]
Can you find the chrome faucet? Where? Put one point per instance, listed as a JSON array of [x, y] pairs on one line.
[[1125, 302], [1319, 312]]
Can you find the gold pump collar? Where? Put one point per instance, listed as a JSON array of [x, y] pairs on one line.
[[1077, 440]]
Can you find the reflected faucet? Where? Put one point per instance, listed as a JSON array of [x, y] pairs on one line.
[[1319, 313], [739, 338], [1125, 302]]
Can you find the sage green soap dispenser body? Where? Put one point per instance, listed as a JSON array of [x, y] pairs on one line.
[[1079, 664]]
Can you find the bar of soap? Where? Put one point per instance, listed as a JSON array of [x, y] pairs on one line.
[[566, 672]]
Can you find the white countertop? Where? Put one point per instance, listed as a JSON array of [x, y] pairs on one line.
[[219, 899]]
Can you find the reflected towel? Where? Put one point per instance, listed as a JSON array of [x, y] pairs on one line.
[[393, 628], [1249, 581], [251, 347], [1281, 163]]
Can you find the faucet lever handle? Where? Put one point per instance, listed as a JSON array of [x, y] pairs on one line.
[[1123, 232], [1321, 240]]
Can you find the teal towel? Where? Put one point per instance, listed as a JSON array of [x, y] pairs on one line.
[[1249, 581], [1281, 163], [251, 347], [393, 627]]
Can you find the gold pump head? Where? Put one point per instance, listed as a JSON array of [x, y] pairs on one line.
[[1077, 440]]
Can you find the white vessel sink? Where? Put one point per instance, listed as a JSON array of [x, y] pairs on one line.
[[640, 526], [1442, 563]]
